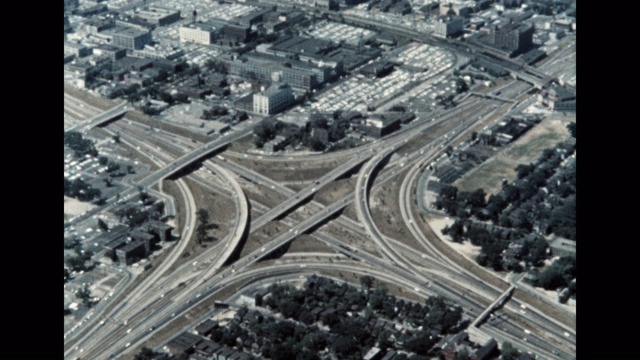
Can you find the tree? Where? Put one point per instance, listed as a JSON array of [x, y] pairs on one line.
[[84, 294], [524, 170], [317, 145], [559, 274], [102, 225], [456, 231], [116, 138], [563, 219], [80, 146], [462, 355], [281, 352], [71, 243], [366, 282], [537, 252], [201, 230], [344, 346], [76, 263], [449, 150], [113, 167], [421, 343], [145, 354], [508, 351], [477, 198], [451, 318], [572, 128]]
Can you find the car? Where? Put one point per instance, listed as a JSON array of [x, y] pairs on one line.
[[128, 331], [152, 328], [127, 345]]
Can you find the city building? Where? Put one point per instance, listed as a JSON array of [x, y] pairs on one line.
[[110, 52], [182, 343], [273, 100], [205, 328], [170, 66], [83, 69], [448, 26], [278, 143], [68, 58], [199, 33], [327, 4], [562, 247], [377, 69], [515, 37], [252, 18], [267, 68], [459, 8], [159, 52], [510, 3], [484, 352], [454, 344], [560, 98], [67, 26], [207, 348], [98, 24], [70, 5], [132, 63], [90, 10], [77, 49], [159, 16], [373, 354], [129, 37], [131, 252], [234, 33], [378, 127]]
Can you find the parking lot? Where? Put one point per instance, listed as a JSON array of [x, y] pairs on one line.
[[101, 281], [407, 21], [420, 63], [423, 55], [351, 35]]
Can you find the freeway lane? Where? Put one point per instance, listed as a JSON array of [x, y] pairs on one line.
[[348, 200]]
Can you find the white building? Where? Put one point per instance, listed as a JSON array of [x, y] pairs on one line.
[[199, 33], [272, 100], [447, 26]]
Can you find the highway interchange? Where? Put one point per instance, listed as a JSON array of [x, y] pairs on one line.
[[163, 297]]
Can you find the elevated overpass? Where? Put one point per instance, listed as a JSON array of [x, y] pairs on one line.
[[309, 190], [500, 301], [166, 171], [101, 118], [187, 159]]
